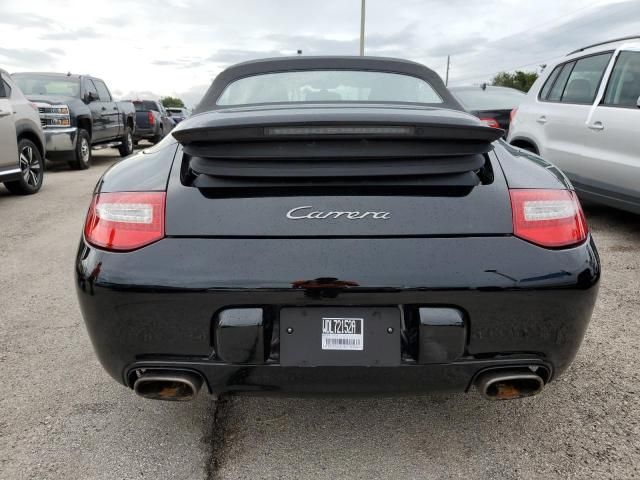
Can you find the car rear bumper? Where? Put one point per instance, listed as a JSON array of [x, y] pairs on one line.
[[159, 307], [142, 132]]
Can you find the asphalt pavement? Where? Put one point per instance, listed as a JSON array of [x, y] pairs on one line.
[[63, 417]]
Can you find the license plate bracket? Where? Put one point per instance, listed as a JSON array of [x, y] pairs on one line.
[[340, 336]]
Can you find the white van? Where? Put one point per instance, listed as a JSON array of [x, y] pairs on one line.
[[583, 114]]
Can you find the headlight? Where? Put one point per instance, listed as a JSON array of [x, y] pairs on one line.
[[54, 115], [60, 109], [59, 121]]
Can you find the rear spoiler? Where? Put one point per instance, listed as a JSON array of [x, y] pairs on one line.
[[335, 142], [322, 130]]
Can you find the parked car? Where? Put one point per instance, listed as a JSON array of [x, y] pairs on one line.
[[152, 121], [22, 143], [177, 114], [78, 113], [583, 114], [493, 105], [379, 240]]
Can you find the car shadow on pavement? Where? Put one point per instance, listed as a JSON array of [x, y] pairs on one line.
[[438, 436]]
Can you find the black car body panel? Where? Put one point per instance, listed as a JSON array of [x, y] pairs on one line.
[[430, 260], [522, 302], [145, 172], [447, 211]]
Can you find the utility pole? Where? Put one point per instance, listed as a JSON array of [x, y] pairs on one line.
[[362, 12], [446, 78]]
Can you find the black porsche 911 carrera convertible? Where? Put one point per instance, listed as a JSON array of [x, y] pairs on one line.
[[335, 224]]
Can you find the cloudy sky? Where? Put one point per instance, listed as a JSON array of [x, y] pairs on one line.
[[175, 47]]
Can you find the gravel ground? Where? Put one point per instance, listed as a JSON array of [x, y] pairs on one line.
[[62, 417]]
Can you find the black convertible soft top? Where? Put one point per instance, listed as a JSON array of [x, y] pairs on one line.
[[283, 64]]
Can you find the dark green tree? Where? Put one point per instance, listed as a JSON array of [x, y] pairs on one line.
[[169, 102], [519, 80]]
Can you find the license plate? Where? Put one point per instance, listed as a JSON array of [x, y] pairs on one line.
[[336, 336], [342, 333]]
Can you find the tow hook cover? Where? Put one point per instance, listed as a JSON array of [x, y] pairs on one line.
[[239, 335], [442, 335]]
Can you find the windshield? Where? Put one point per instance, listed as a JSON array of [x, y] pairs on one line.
[[489, 99], [328, 86], [48, 85], [177, 111], [145, 106]]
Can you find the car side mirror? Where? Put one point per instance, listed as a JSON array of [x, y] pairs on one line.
[[91, 97]]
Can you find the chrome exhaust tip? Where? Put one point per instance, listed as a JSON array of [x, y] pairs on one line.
[[173, 387], [509, 384]]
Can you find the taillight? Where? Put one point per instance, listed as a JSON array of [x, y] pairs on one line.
[[549, 218], [490, 122], [152, 119], [512, 114], [125, 220]]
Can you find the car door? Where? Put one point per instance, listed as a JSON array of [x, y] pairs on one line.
[[8, 138], [612, 131], [109, 110], [99, 132], [567, 107]]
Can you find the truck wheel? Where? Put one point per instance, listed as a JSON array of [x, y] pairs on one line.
[[82, 159], [127, 143], [158, 137], [31, 168]]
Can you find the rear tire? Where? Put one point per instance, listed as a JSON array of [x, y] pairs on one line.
[[32, 169], [82, 159], [127, 143], [158, 137]]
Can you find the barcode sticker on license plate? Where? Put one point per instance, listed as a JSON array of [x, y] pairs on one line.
[[342, 334]]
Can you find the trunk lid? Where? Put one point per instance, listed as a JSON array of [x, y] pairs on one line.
[[336, 171]]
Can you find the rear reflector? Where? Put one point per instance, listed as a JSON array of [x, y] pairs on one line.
[[490, 122], [549, 218], [125, 220]]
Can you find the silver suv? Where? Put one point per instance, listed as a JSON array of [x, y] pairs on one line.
[[22, 143], [583, 114]]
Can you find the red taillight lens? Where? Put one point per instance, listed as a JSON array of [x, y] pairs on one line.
[[512, 114], [549, 218], [125, 220], [490, 122], [152, 119]]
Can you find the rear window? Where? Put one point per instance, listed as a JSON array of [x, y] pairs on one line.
[[576, 81], [624, 85], [584, 80], [328, 86], [561, 80], [145, 106], [489, 99]]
